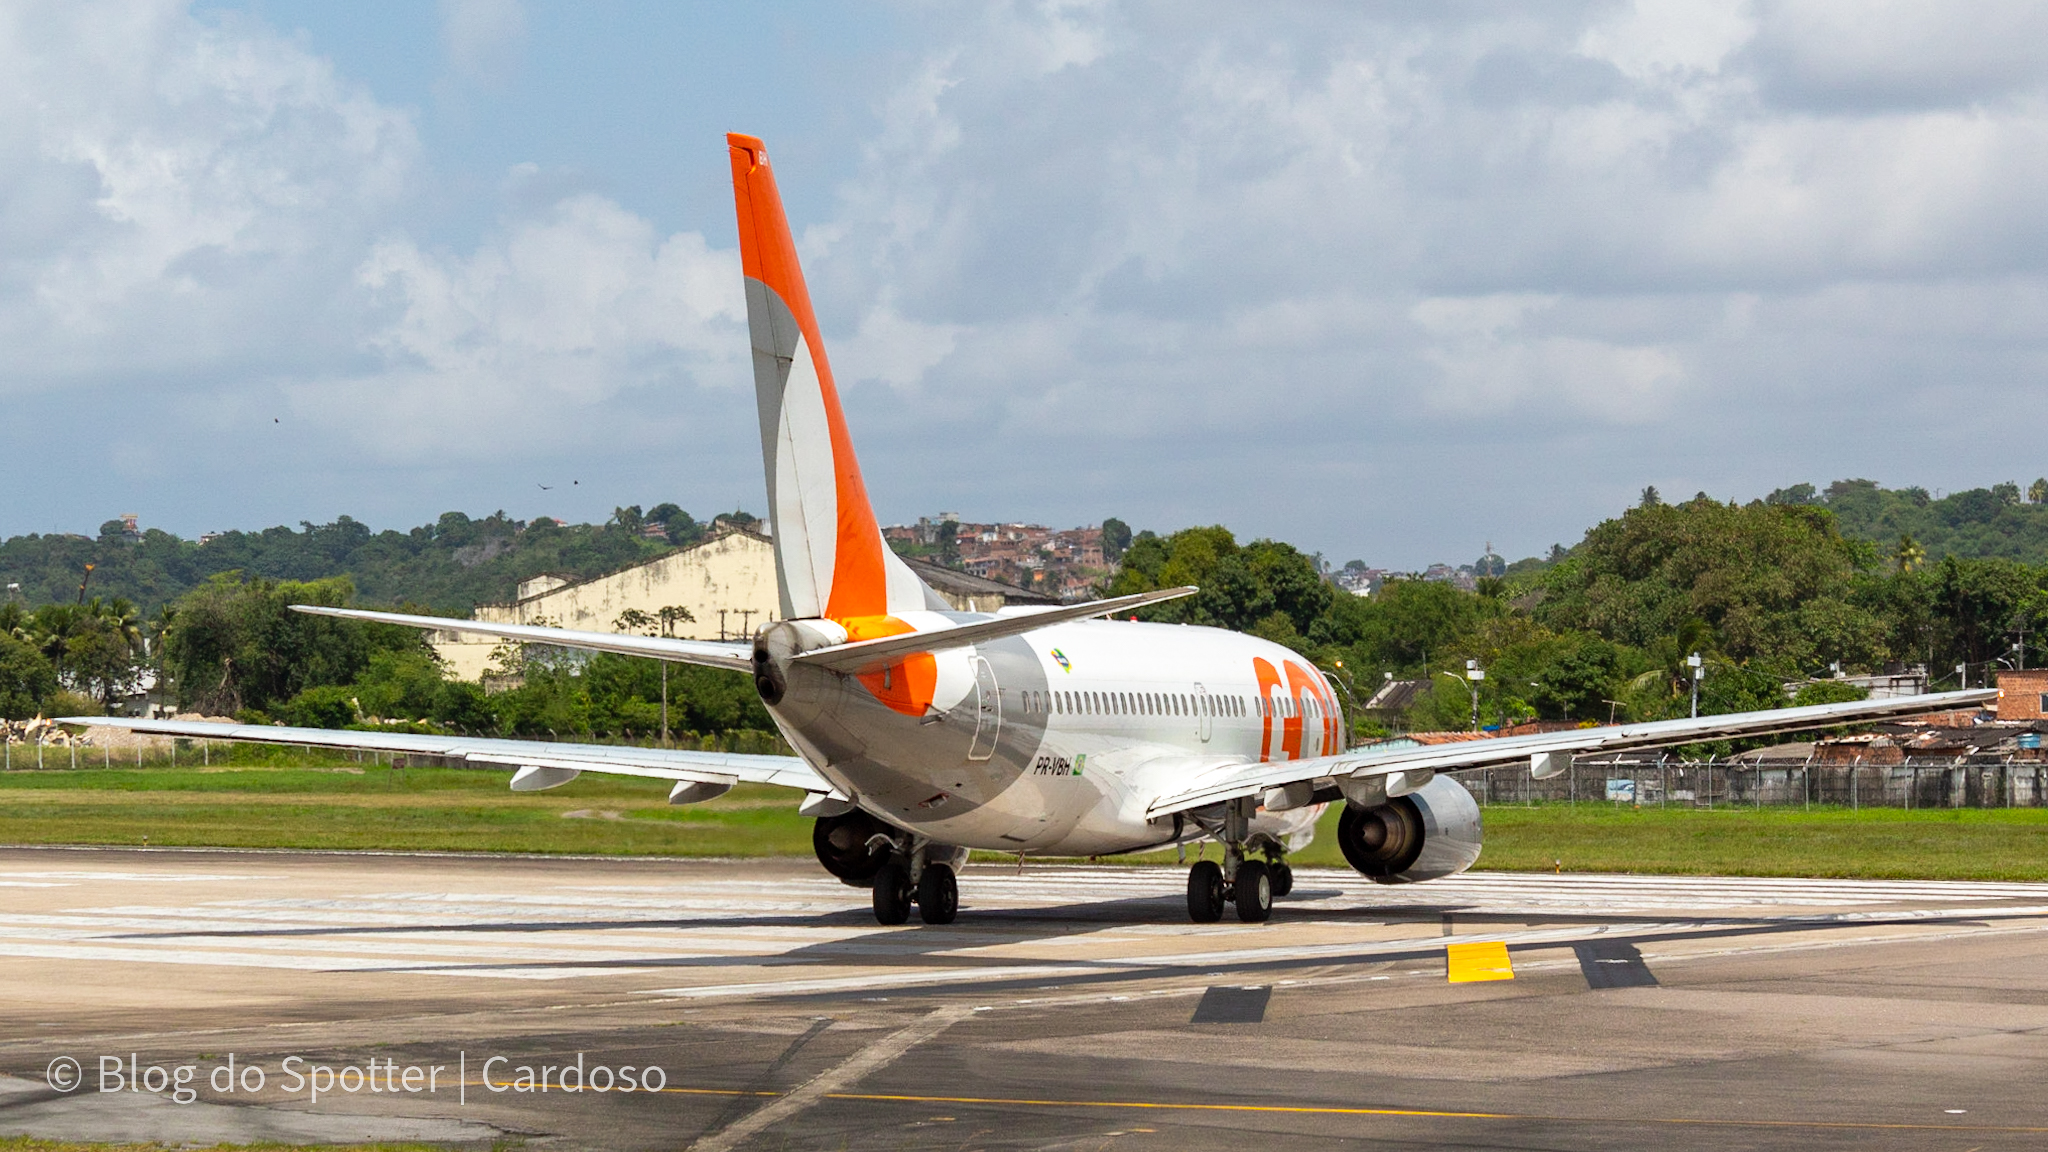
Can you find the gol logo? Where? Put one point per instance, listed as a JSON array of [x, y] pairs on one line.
[[1061, 658]]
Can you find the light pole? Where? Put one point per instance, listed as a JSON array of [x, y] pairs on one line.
[[1699, 669], [1342, 679], [1474, 674]]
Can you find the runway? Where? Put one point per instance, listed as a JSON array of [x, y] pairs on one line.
[[1069, 1006]]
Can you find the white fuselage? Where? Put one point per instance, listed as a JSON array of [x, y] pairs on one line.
[[1057, 741]]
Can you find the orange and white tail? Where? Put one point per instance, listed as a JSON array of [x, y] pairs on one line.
[[829, 554]]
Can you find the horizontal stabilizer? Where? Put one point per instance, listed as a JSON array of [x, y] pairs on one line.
[[713, 653], [869, 655]]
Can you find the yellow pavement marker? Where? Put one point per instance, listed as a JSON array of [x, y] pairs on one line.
[[1487, 960]]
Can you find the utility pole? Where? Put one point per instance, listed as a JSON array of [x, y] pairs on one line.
[[1474, 674], [1699, 669]]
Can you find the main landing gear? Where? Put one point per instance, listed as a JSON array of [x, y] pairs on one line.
[[925, 876], [1250, 885]]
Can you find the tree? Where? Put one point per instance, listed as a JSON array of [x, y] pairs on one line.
[[26, 678], [106, 648], [236, 644], [1909, 555], [1758, 576], [2037, 492], [1116, 537], [1650, 498]]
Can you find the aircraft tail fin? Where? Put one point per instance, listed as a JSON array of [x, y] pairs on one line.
[[830, 557]]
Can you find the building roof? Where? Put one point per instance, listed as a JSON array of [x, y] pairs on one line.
[[952, 581], [572, 581], [1396, 695]]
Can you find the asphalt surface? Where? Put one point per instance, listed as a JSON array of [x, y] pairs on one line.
[[458, 1000]]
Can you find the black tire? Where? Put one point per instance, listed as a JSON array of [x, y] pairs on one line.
[[892, 892], [938, 894], [1205, 892], [1283, 879], [1253, 892]]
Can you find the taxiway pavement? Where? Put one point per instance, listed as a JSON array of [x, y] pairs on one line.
[[1069, 1006]]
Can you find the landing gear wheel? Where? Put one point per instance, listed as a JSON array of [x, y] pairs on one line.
[[1254, 892], [892, 892], [1205, 892], [938, 894], [1283, 879]]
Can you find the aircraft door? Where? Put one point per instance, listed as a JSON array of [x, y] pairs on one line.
[[1203, 725], [988, 711]]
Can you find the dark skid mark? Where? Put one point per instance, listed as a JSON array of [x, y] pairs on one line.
[[1232, 1004], [1613, 964]]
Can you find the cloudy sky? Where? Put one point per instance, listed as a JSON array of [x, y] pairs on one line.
[[1388, 281]]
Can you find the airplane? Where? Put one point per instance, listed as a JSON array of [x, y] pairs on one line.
[[923, 733]]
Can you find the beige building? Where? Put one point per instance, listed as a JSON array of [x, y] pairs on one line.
[[727, 581]]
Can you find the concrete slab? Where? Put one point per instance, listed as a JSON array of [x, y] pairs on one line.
[[1061, 1010]]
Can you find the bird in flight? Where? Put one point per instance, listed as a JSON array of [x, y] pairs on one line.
[[547, 488]]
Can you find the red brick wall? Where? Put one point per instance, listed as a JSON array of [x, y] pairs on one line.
[[2019, 694]]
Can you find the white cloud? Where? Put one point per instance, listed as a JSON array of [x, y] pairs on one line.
[[202, 213], [173, 190], [1189, 248], [1352, 238], [509, 345], [1651, 38], [483, 37], [891, 349]]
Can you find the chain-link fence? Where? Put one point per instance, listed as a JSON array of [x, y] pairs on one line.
[[1975, 782]]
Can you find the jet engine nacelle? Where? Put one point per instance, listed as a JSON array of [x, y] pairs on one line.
[[1428, 834], [841, 843]]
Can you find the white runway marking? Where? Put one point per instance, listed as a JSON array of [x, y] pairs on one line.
[[712, 935]]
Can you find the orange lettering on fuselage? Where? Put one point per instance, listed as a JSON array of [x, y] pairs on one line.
[[1302, 682], [1268, 678], [906, 686]]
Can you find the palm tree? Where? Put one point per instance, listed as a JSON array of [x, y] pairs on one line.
[[1674, 672], [1909, 554]]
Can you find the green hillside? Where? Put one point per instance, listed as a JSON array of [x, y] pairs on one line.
[[448, 566], [1999, 522]]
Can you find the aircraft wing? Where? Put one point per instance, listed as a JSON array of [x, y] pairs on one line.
[[1544, 754], [715, 653], [565, 760]]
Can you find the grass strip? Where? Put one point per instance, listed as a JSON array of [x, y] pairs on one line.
[[348, 805]]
